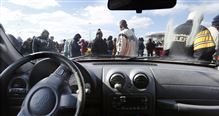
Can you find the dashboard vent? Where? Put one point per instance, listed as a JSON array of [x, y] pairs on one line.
[[18, 83], [140, 81], [18, 86]]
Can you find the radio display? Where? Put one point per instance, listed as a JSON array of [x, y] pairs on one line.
[[122, 102]]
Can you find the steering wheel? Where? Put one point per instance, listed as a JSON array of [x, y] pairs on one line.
[[52, 93]]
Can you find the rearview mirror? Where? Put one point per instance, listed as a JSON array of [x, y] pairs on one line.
[[140, 5]]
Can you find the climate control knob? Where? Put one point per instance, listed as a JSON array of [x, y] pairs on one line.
[[117, 81]]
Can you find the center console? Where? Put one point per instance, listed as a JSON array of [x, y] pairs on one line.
[[128, 91]]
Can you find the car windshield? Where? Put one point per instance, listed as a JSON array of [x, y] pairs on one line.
[[186, 33]]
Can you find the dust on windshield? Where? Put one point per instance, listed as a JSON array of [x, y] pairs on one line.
[[189, 31]]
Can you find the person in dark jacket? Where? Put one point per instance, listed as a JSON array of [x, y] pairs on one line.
[[150, 46], [15, 42], [99, 46], [41, 43], [114, 46], [75, 47], [214, 29], [141, 47], [27, 47], [110, 45], [197, 41], [52, 44]]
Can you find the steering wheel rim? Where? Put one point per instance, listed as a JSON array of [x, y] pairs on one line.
[[5, 75]]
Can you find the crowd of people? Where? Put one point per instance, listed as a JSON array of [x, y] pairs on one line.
[[125, 45], [200, 42], [44, 42]]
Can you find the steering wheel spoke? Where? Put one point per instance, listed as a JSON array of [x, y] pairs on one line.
[[68, 101]]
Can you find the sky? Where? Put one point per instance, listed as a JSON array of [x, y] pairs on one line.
[[64, 18]]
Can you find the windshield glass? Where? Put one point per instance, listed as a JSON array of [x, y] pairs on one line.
[[186, 33]]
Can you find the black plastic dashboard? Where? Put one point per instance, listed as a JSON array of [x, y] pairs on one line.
[[128, 88]]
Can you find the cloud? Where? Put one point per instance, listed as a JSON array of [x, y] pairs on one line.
[[59, 23], [178, 8], [139, 22], [36, 4], [8, 15], [98, 15], [207, 7], [106, 33]]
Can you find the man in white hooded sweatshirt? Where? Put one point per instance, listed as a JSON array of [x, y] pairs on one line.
[[127, 41]]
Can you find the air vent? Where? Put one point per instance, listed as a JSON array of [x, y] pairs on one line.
[[18, 86], [18, 83], [140, 81], [117, 81]]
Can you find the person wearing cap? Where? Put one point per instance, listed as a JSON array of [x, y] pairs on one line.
[[41, 43], [127, 43], [192, 40], [99, 46], [74, 46], [214, 29]]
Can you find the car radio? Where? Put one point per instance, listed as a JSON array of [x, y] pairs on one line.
[[123, 102]]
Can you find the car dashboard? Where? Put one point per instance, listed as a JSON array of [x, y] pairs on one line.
[[131, 88]]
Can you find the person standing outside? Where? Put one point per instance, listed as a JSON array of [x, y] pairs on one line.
[[114, 46], [127, 44], [83, 45], [27, 47], [52, 44], [141, 47], [214, 30], [41, 43], [150, 46], [99, 46], [75, 47], [110, 45], [192, 40]]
